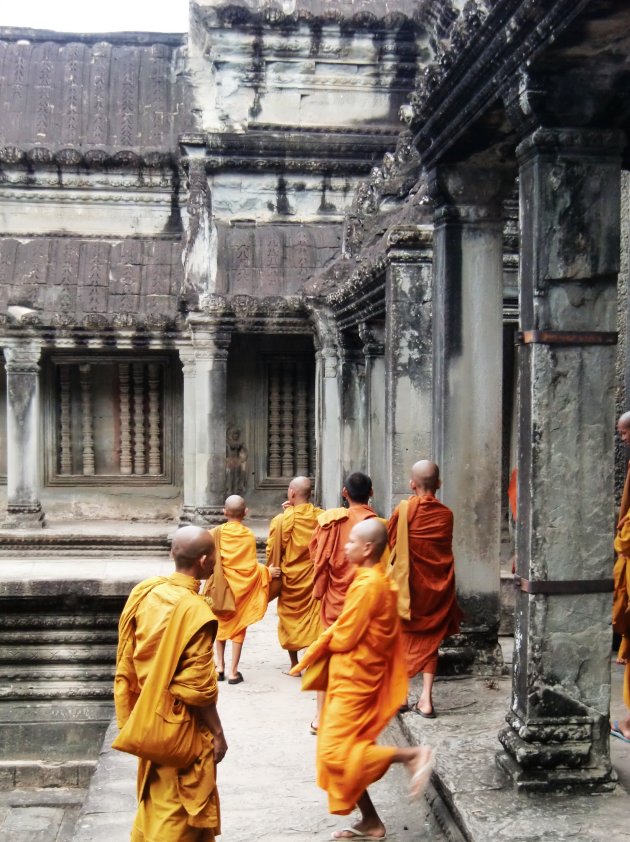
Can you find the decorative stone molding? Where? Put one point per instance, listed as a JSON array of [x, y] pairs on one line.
[[469, 194], [580, 141], [71, 157]]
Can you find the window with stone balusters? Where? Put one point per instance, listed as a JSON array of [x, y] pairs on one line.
[[110, 420], [290, 391]]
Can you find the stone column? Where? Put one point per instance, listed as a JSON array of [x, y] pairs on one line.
[[24, 509], [327, 411], [373, 337], [467, 337], [353, 406], [557, 731], [205, 414], [408, 355], [200, 235]]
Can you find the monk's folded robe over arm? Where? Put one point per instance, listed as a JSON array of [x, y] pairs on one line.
[[621, 597], [434, 612], [298, 611], [366, 684], [183, 800], [248, 580]]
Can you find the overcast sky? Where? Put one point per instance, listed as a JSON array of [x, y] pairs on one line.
[[90, 16]]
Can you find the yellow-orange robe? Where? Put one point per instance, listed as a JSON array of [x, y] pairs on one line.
[[174, 805], [299, 623], [367, 683], [621, 598], [333, 574], [248, 580], [434, 613]]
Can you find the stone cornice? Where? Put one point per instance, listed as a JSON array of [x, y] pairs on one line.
[[582, 141], [292, 149], [138, 39], [486, 48], [250, 314], [95, 158]]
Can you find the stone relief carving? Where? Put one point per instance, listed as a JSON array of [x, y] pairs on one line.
[[235, 462]]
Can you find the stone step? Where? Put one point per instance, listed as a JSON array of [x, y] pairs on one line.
[[60, 653], [56, 672], [71, 543], [54, 691], [84, 623], [66, 637]]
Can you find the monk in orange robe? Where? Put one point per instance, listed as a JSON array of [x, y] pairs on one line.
[[430, 611], [621, 576], [174, 805], [366, 684], [248, 580], [290, 534]]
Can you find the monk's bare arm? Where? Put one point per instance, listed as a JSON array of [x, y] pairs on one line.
[[210, 716], [622, 541]]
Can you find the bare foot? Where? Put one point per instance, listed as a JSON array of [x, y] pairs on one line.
[[420, 768], [622, 726], [370, 831], [292, 674]]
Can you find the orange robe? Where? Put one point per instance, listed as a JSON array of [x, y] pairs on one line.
[[621, 598], [366, 686], [174, 805], [434, 612], [333, 574], [298, 611], [248, 580]]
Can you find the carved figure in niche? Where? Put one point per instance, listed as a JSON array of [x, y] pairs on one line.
[[235, 462]]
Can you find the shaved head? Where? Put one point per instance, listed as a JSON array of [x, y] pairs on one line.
[[234, 506], [189, 544], [371, 531], [301, 488], [425, 476], [623, 428]]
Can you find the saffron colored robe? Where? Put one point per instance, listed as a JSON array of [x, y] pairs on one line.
[[434, 612], [174, 805], [621, 597], [248, 580], [367, 683], [332, 573], [299, 622]]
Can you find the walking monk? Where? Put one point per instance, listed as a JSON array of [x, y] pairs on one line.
[[424, 570], [248, 580], [287, 547], [165, 616], [366, 684], [621, 575]]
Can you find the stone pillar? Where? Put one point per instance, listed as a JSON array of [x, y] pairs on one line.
[[200, 235], [205, 414], [373, 337], [24, 509], [408, 356], [353, 406], [467, 344], [327, 412], [557, 732]]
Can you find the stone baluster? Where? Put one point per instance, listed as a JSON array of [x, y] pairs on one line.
[[275, 418], [24, 509], [126, 463], [467, 389], [557, 736], [139, 455], [155, 455], [301, 423], [65, 429], [87, 421], [287, 419]]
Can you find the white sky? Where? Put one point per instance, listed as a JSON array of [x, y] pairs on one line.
[[92, 16]]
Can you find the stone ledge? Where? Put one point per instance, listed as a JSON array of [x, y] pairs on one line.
[[479, 797]]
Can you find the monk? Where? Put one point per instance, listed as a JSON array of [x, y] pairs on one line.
[[366, 684], [621, 575], [333, 572], [248, 581], [287, 547], [174, 805], [431, 612]]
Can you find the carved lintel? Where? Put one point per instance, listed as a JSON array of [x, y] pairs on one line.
[[588, 142]]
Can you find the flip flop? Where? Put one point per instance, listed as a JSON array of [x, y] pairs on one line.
[[356, 834], [404, 709], [220, 676], [615, 732], [236, 680], [416, 709], [313, 729]]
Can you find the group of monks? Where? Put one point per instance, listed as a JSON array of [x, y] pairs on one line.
[[369, 600]]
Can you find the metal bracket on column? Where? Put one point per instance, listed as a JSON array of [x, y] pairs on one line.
[[563, 586], [565, 337]]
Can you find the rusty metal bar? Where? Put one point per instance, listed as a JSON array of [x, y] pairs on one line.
[[563, 586], [565, 337]]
